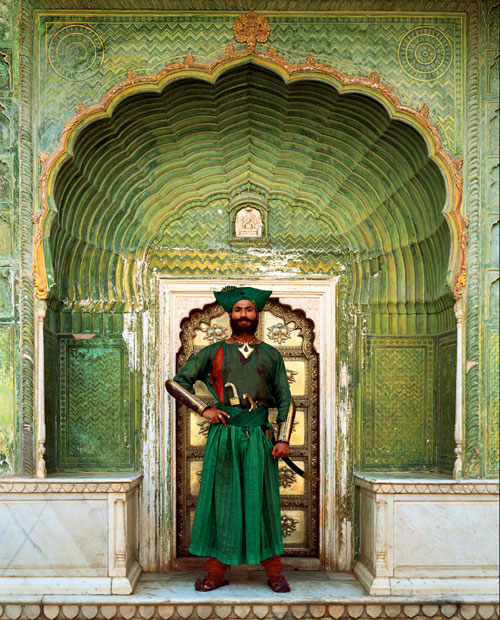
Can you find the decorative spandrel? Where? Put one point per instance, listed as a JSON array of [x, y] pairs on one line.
[[279, 333], [299, 499], [216, 329], [251, 29]]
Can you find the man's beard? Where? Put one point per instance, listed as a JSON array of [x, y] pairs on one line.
[[244, 326]]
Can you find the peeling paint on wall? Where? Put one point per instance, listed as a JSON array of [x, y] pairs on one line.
[[7, 401]]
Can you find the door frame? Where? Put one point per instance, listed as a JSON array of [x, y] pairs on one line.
[[316, 298]]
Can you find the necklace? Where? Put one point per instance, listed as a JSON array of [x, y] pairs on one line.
[[246, 350]]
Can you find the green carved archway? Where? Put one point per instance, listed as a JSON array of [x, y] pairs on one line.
[[351, 171], [351, 182]]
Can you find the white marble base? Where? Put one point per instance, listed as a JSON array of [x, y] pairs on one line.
[[126, 585], [314, 595], [415, 586], [69, 535], [427, 536]]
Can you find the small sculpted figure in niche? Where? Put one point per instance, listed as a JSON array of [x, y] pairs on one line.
[[248, 223]]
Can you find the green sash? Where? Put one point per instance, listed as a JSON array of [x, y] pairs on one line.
[[244, 417]]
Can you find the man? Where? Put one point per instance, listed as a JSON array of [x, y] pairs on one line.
[[237, 518]]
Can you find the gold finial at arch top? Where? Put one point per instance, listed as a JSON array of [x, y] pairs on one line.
[[251, 29]]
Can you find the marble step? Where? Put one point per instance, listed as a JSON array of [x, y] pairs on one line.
[[314, 595]]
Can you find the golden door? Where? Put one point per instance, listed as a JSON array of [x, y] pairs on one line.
[[293, 334]]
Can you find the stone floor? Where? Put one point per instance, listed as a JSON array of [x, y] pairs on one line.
[[314, 595], [249, 586]]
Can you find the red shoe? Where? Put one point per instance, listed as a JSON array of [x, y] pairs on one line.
[[206, 584], [278, 584]]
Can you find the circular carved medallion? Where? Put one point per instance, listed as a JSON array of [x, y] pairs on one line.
[[425, 54], [76, 52]]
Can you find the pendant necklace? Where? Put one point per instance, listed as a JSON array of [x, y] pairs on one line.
[[246, 350]]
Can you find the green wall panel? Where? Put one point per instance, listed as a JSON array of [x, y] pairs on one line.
[[397, 429], [8, 424], [493, 402], [51, 369], [6, 291], [5, 235], [291, 227], [446, 371], [96, 424]]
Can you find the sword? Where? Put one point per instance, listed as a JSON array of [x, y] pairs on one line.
[[295, 467], [286, 459], [299, 471]]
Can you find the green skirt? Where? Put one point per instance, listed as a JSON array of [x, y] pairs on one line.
[[237, 518]]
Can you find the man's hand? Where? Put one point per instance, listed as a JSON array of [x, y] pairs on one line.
[[215, 416], [280, 449]]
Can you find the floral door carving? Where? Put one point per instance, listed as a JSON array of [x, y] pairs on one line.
[[293, 334]]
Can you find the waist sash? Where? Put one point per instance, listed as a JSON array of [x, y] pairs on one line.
[[244, 417]]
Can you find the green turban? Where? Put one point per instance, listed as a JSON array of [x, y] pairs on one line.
[[231, 294]]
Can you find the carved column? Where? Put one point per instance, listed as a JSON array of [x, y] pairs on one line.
[[41, 469], [457, 470], [120, 538]]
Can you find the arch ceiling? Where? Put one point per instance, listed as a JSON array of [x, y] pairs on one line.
[[371, 174]]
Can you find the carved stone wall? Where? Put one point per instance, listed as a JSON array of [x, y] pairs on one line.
[[418, 50], [489, 254], [10, 393]]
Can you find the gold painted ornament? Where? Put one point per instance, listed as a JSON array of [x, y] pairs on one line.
[[251, 29]]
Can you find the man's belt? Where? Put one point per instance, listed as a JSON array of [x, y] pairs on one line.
[[245, 417]]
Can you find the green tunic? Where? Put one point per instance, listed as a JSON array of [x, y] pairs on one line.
[[237, 518]]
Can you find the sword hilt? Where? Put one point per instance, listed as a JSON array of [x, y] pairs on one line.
[[253, 404], [235, 400]]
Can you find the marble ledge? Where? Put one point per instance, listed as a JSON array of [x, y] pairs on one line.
[[90, 482], [309, 588], [423, 483]]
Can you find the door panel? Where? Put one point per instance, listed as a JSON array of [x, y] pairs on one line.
[[293, 334]]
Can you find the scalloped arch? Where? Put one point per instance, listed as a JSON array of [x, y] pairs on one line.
[[373, 171]]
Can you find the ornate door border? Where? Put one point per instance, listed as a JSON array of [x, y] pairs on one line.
[[316, 298]]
